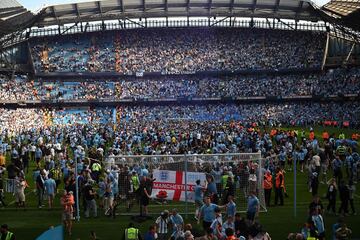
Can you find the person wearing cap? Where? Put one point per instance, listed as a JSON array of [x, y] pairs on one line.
[[162, 223], [5, 234]]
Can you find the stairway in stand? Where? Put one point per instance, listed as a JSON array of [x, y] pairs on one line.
[[117, 44]]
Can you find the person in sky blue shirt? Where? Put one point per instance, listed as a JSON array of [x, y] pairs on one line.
[[231, 207], [177, 222], [207, 213], [211, 188], [50, 188], [198, 197], [282, 158], [319, 223], [38, 155], [252, 207]]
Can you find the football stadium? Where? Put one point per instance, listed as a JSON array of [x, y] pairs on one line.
[[180, 120]]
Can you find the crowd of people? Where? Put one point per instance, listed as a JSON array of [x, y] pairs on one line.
[[104, 183], [174, 51], [333, 82], [202, 117], [17, 89]]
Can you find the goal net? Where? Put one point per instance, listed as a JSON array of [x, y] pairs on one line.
[[173, 179]]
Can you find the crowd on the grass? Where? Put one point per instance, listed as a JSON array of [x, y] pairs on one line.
[[172, 119], [177, 51], [105, 183]]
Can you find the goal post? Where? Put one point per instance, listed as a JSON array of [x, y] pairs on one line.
[[176, 176]]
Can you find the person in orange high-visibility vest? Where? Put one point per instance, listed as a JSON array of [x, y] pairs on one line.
[[273, 132], [312, 135], [279, 186], [268, 185], [355, 136], [325, 136]]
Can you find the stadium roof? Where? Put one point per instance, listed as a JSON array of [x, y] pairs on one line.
[[13, 16], [118, 9], [346, 11]]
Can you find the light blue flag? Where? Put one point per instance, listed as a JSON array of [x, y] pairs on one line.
[[56, 233]]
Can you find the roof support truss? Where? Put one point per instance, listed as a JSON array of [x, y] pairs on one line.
[[55, 14], [209, 6], [286, 24], [253, 7], [67, 29], [221, 20], [276, 7], [143, 5], [166, 5], [77, 12], [232, 6], [121, 5], [99, 7], [298, 11], [137, 23]]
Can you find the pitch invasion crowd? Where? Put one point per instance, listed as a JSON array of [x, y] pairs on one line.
[[333, 82], [297, 114], [179, 51], [104, 184]]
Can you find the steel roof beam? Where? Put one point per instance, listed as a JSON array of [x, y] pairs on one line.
[[99, 7], [276, 7], [299, 10], [77, 12], [253, 6], [120, 5], [232, 6], [166, 5], [143, 5]]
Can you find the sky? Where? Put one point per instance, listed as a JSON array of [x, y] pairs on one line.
[[35, 5]]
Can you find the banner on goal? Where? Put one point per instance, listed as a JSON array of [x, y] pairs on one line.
[[173, 185]]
